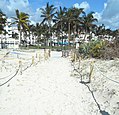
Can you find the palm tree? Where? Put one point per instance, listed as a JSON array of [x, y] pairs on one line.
[[73, 20], [21, 20], [60, 18], [32, 32], [2, 24], [48, 13], [77, 19], [76, 22], [44, 32], [69, 18], [59, 23], [100, 31], [88, 22], [2, 21], [41, 31]]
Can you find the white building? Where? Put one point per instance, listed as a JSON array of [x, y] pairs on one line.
[[8, 39], [11, 39]]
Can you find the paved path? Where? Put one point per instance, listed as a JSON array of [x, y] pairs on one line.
[[46, 89]]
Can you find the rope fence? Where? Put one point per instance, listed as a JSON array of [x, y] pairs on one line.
[[23, 62], [4, 56], [105, 75], [90, 64], [7, 76], [10, 78], [99, 84]]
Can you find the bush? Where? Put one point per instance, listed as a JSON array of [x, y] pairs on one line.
[[96, 48], [111, 50], [92, 48]]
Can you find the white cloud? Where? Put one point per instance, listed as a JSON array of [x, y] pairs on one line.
[[111, 10], [76, 5], [109, 15], [84, 5], [97, 16], [36, 17], [105, 5], [9, 7]]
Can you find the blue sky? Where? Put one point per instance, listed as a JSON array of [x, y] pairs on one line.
[[95, 5], [106, 11]]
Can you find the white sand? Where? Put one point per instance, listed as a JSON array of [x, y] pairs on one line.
[[104, 84], [48, 89]]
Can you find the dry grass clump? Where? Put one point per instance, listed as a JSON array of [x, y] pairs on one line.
[[111, 51]]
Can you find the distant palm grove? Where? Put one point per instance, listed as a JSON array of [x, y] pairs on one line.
[[66, 24]]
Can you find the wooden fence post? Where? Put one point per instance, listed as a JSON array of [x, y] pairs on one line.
[[36, 55], [32, 59], [39, 57], [49, 53], [20, 67], [75, 57], [91, 70]]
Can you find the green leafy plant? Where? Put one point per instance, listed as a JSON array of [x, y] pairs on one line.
[[92, 48], [96, 48]]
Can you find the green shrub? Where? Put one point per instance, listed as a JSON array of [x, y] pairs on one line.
[[84, 49], [92, 48], [97, 47]]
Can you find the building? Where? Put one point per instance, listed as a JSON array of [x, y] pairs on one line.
[[11, 38]]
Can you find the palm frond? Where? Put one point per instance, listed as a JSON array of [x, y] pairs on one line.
[[43, 21], [14, 18], [17, 13]]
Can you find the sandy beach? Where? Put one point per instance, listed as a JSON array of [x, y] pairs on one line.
[[50, 87], [59, 58]]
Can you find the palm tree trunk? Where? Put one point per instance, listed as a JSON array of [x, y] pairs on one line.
[[75, 28], [85, 34], [1, 44], [49, 23], [62, 39], [74, 36], [69, 31], [20, 33], [29, 38]]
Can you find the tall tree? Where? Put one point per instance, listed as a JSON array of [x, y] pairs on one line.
[[88, 22], [77, 18], [2, 21], [69, 18], [32, 33], [2, 25], [48, 13], [73, 19], [41, 31], [60, 23], [21, 20], [100, 31], [60, 18]]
